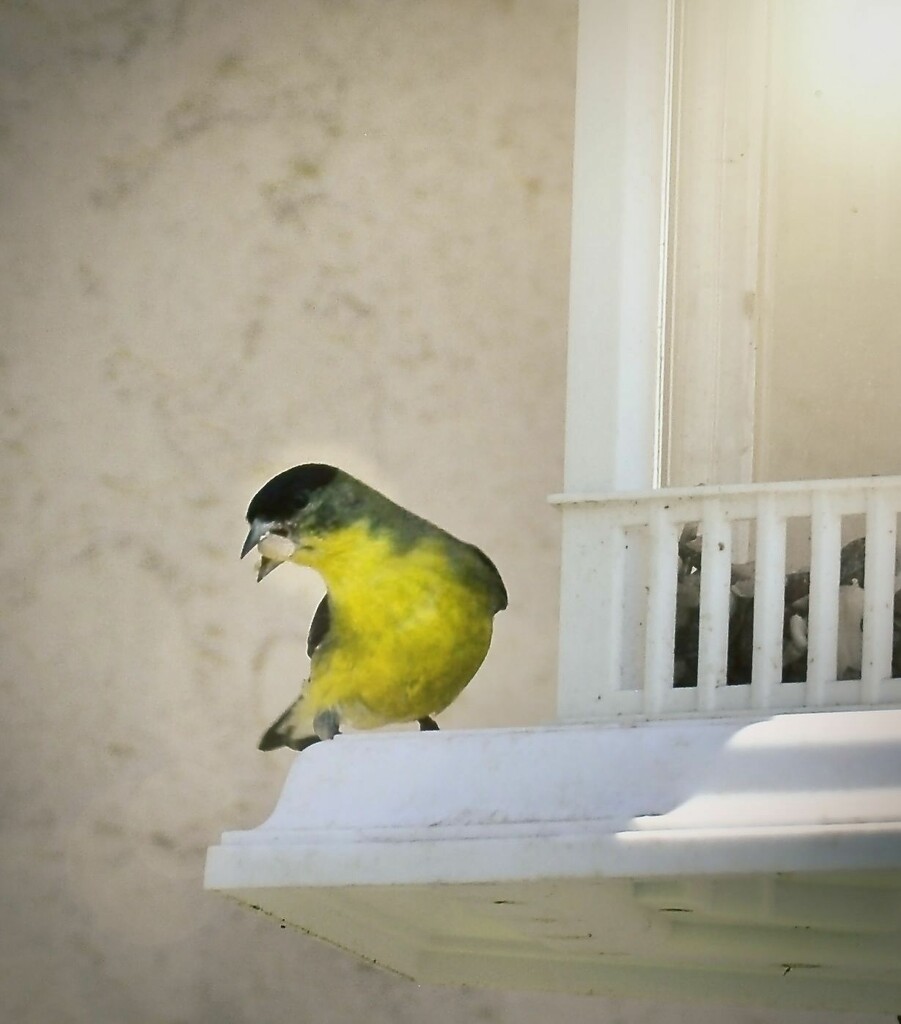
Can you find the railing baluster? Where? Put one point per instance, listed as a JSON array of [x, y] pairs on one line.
[[713, 620], [591, 604], [822, 630], [661, 613], [769, 603], [879, 597]]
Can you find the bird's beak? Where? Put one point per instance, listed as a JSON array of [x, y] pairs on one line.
[[258, 530], [266, 567], [274, 548]]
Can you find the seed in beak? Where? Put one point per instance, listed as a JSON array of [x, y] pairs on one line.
[[276, 547]]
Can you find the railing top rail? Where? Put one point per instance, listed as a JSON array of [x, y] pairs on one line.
[[661, 496]]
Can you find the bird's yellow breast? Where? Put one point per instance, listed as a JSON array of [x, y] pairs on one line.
[[409, 625]]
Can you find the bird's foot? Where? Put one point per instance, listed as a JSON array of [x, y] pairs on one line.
[[427, 724], [326, 725]]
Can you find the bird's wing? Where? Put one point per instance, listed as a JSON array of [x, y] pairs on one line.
[[500, 589], [319, 627]]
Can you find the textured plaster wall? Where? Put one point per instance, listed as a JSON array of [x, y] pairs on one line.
[[238, 236]]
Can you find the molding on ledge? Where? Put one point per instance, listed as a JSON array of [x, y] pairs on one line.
[[690, 852]]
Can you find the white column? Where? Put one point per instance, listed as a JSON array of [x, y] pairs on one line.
[[620, 175], [617, 296]]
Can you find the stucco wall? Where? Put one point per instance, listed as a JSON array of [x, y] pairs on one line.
[[236, 237]]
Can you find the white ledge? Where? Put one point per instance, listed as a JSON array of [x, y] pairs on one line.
[[564, 820]]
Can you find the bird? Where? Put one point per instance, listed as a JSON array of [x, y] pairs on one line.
[[408, 612]]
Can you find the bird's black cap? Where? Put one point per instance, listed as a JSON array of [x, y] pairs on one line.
[[286, 494]]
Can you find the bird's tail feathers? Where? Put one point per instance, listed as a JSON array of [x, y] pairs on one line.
[[293, 728]]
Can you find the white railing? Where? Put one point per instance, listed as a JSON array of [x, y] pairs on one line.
[[656, 623]]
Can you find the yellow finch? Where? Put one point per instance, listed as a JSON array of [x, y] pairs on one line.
[[407, 615]]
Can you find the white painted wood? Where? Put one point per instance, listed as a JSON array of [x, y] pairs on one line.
[[661, 611], [618, 251], [794, 496], [736, 849], [769, 603], [720, 509], [620, 177], [591, 606], [822, 632], [717, 195], [879, 596], [713, 624]]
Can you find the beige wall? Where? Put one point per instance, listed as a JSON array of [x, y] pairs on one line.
[[238, 236], [785, 232], [831, 345]]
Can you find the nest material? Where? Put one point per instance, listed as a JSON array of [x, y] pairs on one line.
[[795, 615]]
